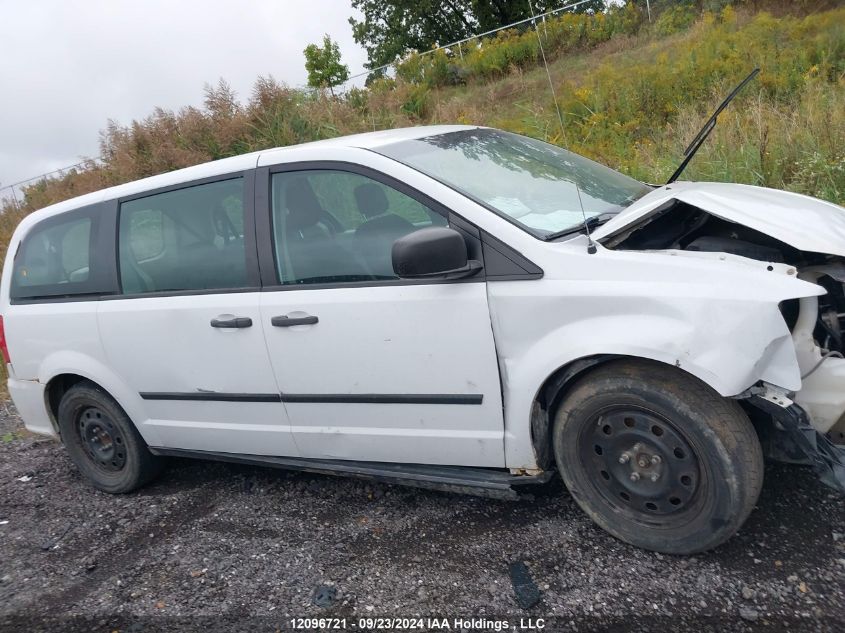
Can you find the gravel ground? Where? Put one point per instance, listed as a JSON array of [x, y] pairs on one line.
[[224, 547]]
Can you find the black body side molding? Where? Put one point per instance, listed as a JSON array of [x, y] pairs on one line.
[[485, 482], [345, 398], [211, 396], [385, 398]]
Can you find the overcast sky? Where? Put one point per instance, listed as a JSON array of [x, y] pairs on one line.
[[67, 66]]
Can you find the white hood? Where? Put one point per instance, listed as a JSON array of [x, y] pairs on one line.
[[805, 223]]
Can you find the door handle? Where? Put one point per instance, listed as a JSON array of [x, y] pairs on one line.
[[235, 322], [285, 321]]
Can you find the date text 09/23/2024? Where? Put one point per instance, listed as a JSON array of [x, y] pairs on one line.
[[417, 623]]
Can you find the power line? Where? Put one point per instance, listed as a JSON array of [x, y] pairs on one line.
[[50, 173], [60, 170], [548, 72]]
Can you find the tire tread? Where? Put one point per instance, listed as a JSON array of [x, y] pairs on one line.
[[144, 467]]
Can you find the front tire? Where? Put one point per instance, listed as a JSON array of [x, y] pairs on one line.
[[102, 441], [657, 458]]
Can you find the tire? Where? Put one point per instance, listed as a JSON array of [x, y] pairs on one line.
[[102, 441], [697, 459]]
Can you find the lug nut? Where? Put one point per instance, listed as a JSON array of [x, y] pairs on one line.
[[655, 477], [655, 459], [624, 458], [635, 476]]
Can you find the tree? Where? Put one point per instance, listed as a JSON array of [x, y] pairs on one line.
[[391, 28], [323, 65], [593, 6], [492, 14]]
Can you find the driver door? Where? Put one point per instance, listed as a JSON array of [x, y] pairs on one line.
[[372, 367]]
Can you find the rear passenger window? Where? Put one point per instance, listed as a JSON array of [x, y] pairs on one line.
[[54, 258], [188, 239]]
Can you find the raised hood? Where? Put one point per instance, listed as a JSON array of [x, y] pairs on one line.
[[805, 223]]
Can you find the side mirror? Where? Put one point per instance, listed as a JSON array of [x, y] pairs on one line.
[[434, 252]]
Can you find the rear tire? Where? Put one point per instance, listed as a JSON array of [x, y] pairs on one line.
[[102, 441], [656, 457]]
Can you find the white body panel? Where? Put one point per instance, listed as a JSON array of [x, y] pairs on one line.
[[806, 223], [713, 315], [45, 342], [393, 340], [167, 345]]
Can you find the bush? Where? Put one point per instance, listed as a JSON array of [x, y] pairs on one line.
[[416, 103], [675, 19], [495, 56]]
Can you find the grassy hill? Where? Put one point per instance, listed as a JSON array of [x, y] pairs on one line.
[[631, 95]]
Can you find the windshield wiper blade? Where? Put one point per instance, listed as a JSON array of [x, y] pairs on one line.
[[702, 135], [590, 224]]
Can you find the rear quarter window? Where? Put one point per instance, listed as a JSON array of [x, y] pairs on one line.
[[60, 257]]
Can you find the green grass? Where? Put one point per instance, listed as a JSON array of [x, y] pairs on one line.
[[635, 103], [11, 436]]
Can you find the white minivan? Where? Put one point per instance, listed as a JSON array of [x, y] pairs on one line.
[[452, 307]]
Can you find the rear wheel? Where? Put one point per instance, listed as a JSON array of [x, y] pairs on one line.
[[657, 458], [102, 441]]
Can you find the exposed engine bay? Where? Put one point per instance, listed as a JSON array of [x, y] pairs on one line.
[[817, 323]]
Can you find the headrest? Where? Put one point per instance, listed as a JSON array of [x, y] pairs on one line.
[[304, 209], [371, 200]]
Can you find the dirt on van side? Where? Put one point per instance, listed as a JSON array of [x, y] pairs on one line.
[[213, 546]]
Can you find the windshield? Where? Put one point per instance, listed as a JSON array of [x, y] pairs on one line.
[[531, 183]]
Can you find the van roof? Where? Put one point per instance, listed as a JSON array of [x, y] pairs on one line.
[[368, 140]]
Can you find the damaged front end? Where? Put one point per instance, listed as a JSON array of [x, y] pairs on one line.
[[792, 438], [778, 229]]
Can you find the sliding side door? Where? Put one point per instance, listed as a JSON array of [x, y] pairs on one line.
[[186, 332]]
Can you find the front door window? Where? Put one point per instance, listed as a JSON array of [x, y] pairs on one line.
[[334, 226]]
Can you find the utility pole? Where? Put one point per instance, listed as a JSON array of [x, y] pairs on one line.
[[14, 196]]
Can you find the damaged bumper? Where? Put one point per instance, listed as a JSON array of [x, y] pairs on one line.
[[795, 440]]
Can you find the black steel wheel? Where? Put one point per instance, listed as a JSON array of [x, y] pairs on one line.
[[656, 457], [101, 439], [641, 462], [103, 442]]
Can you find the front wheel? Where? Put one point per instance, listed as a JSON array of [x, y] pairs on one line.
[[102, 441], [657, 458]]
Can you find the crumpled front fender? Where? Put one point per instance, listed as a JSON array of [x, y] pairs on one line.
[[723, 326]]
